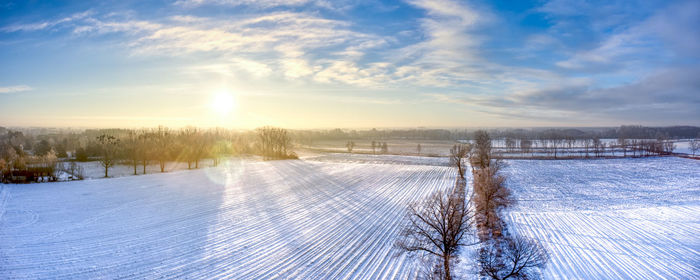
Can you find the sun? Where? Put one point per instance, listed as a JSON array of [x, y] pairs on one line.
[[223, 102]]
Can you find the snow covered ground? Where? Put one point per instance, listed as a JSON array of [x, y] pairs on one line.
[[335, 217], [611, 219], [380, 159], [244, 220], [94, 169]]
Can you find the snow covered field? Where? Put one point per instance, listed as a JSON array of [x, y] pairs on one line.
[[611, 219], [246, 220], [330, 217]]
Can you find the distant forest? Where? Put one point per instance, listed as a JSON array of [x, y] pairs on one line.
[[36, 152], [69, 137], [625, 131]]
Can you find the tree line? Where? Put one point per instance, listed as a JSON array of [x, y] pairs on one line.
[[308, 137], [558, 145], [440, 226], [27, 158]]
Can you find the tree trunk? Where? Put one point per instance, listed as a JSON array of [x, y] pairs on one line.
[[447, 267], [144, 166], [106, 170]]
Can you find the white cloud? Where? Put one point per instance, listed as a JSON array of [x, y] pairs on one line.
[[258, 3], [448, 8], [616, 50], [296, 68], [449, 56], [665, 95], [644, 41], [255, 68], [306, 46], [293, 43], [45, 24], [13, 89]]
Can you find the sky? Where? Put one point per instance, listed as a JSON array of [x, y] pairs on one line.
[[349, 64]]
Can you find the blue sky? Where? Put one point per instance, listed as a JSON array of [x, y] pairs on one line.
[[320, 64]]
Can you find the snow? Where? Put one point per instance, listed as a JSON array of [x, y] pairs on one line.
[[380, 159], [244, 220], [642, 243], [603, 183], [682, 146], [336, 216], [611, 219], [94, 169]]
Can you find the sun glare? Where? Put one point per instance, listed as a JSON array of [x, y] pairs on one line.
[[223, 103]]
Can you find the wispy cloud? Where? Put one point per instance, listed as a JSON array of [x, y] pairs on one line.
[[633, 60], [335, 5], [14, 89], [297, 44], [44, 24], [260, 3], [449, 55], [674, 89]]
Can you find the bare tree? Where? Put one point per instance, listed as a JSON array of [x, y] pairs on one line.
[[350, 145], [144, 142], [218, 150], [587, 143], [186, 145], [694, 146], [490, 196], [162, 144], [437, 227], [622, 142], [597, 146], [457, 155], [525, 146], [49, 165], [510, 144], [374, 147], [481, 156], [512, 258], [108, 149], [200, 147], [274, 143], [418, 149], [556, 141], [132, 149], [666, 145], [570, 142]]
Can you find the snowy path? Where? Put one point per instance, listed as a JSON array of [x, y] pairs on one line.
[[248, 220]]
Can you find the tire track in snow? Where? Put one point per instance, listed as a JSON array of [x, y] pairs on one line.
[[284, 219], [585, 245], [611, 219]]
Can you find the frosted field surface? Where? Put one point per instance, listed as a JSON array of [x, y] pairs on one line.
[[381, 159], [611, 219], [604, 183], [245, 220], [336, 217]]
